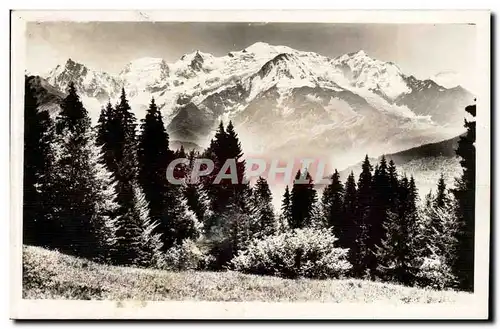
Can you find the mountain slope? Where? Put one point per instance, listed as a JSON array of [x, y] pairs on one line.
[[283, 101], [444, 148], [49, 98], [425, 163], [444, 106]]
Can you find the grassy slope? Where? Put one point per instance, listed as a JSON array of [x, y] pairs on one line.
[[49, 274]]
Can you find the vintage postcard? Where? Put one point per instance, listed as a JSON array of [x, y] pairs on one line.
[[250, 164]]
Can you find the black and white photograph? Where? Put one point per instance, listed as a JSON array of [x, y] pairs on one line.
[[332, 165]]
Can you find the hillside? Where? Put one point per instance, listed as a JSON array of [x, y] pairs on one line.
[[444, 148], [425, 163], [49, 274]]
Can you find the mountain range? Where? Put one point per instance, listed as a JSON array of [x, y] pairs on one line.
[[284, 102]]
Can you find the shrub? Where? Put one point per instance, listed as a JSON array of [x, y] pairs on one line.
[[435, 273], [186, 256], [307, 253]]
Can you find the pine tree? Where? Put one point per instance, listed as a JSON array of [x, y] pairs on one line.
[[226, 193], [350, 211], [332, 206], [303, 198], [126, 141], [465, 196], [429, 223], [120, 144], [153, 158], [236, 233], [318, 220], [196, 197], [38, 226], [234, 151], [398, 251], [365, 196], [379, 210], [286, 206], [393, 186], [219, 194], [262, 211], [181, 153], [442, 198], [168, 202], [183, 223], [72, 129], [281, 224], [285, 214], [105, 137], [429, 199], [148, 243], [439, 248], [73, 117], [84, 198], [104, 221], [219, 142]]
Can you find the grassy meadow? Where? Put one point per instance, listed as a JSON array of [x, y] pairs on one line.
[[52, 275]]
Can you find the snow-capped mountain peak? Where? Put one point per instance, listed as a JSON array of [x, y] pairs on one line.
[[283, 71], [143, 74], [197, 60], [262, 48], [196, 55], [362, 71], [358, 54], [75, 67], [70, 71], [145, 63], [93, 83]]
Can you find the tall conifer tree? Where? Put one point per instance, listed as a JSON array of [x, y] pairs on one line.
[[465, 192], [350, 204], [83, 188], [286, 205], [303, 198], [442, 198], [332, 206], [38, 225], [393, 186], [262, 210], [399, 251], [379, 210], [229, 193], [241, 190], [218, 194], [153, 158], [365, 199], [122, 147], [105, 137], [147, 242], [168, 204]]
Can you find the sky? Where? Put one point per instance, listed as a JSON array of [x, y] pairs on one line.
[[423, 50]]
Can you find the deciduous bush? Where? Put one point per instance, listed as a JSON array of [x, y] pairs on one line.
[[435, 273], [184, 256], [308, 253]]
